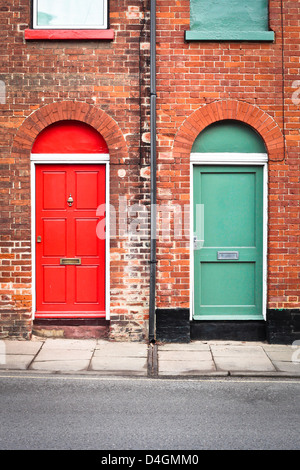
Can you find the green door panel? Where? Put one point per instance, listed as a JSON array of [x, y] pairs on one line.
[[228, 210], [231, 284], [231, 202]]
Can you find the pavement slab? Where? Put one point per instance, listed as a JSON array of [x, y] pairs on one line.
[[289, 367], [194, 346], [190, 359], [184, 356], [281, 354], [76, 365], [119, 358], [16, 362], [133, 366], [18, 355], [63, 355], [192, 368], [51, 344], [22, 347], [104, 348], [241, 358], [113, 358]]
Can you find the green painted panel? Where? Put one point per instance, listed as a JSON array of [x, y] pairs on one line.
[[231, 202], [244, 19], [229, 136], [235, 216], [227, 284]]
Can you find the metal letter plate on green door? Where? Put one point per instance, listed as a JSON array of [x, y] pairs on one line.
[[228, 255], [228, 268]]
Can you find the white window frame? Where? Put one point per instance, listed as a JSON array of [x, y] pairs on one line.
[[36, 26]]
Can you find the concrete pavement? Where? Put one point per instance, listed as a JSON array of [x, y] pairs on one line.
[[106, 358]]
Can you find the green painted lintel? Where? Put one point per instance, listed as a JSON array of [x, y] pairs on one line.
[[267, 36]]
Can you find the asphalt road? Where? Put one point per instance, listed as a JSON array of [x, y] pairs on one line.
[[86, 412]]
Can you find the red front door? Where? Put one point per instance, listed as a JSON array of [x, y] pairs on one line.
[[70, 258]]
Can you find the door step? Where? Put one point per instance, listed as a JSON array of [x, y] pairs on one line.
[[72, 329]]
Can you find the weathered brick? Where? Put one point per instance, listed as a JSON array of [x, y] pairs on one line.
[[106, 84]]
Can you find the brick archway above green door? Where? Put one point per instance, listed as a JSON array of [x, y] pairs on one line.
[[264, 124]]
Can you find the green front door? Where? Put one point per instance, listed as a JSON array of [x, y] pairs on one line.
[[228, 242]]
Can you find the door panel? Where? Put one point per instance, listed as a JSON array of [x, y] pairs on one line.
[[55, 237], [54, 284], [68, 235], [227, 283], [228, 263], [224, 207], [86, 284], [86, 199], [86, 242], [54, 185]]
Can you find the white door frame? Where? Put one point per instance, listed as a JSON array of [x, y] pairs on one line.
[[247, 159], [72, 159]]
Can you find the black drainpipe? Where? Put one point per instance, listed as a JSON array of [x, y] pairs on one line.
[[152, 170]]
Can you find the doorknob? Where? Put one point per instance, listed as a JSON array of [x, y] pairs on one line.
[[70, 200], [39, 239]]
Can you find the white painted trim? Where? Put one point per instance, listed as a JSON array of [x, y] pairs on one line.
[[265, 240], [229, 158], [107, 243], [265, 221], [69, 158], [33, 238], [65, 159], [192, 306], [83, 26]]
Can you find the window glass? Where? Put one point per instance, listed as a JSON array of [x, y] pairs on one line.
[[70, 14]]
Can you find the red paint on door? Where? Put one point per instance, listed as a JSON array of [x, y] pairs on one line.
[[69, 232], [69, 137]]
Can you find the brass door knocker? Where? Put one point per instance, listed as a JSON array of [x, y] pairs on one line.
[[70, 201]]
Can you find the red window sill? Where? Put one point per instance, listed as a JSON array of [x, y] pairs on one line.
[[73, 34]]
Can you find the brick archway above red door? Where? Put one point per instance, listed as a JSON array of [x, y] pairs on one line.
[[262, 122], [71, 111]]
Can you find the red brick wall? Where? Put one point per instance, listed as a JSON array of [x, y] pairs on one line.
[[202, 82], [101, 83], [107, 84]]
